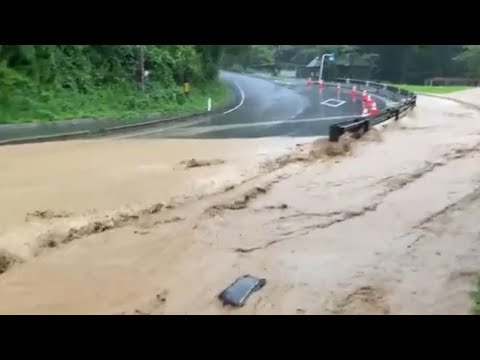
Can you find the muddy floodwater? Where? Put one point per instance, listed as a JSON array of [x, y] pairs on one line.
[[87, 176], [139, 226]]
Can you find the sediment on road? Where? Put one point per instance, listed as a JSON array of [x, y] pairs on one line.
[[368, 231], [103, 193]]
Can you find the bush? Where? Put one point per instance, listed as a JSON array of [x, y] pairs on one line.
[[50, 82]]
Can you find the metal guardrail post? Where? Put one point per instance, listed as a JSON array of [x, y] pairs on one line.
[[366, 126], [407, 98], [335, 133]]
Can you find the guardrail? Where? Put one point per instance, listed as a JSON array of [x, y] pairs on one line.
[[405, 100]]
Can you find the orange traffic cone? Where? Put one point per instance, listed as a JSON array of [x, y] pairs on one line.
[[369, 101], [364, 95], [373, 110], [354, 92]]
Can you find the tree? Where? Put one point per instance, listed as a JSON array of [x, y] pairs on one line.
[[34, 79], [470, 57]]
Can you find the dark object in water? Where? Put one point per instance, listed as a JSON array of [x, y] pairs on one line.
[[239, 291]]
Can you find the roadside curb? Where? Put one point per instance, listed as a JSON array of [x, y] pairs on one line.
[[462, 102], [119, 128], [151, 122], [45, 138]]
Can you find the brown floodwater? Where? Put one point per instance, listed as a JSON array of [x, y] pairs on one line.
[[391, 227]]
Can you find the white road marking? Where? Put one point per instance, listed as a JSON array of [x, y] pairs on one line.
[[241, 101], [202, 129], [192, 131], [333, 103], [153, 131]]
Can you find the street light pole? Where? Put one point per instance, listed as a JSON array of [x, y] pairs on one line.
[[320, 75]]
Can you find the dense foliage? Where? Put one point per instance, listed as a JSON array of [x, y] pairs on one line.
[[470, 56], [394, 63], [48, 82]]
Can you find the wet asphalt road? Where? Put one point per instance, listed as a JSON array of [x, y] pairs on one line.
[[269, 108]]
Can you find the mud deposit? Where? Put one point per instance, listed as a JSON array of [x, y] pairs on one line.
[[364, 301], [47, 214], [193, 163], [7, 260], [387, 224]]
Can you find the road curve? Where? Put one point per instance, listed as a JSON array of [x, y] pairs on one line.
[[268, 108]]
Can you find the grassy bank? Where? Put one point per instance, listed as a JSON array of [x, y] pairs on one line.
[[432, 89], [120, 102]]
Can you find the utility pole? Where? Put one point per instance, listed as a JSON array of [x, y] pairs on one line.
[[142, 67]]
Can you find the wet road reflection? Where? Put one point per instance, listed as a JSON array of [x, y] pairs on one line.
[[270, 109]]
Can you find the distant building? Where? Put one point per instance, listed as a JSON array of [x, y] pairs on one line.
[[311, 70], [349, 66]]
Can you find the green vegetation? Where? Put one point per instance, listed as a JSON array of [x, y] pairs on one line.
[[425, 89], [57, 82], [476, 299], [124, 103], [404, 64], [470, 57]]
